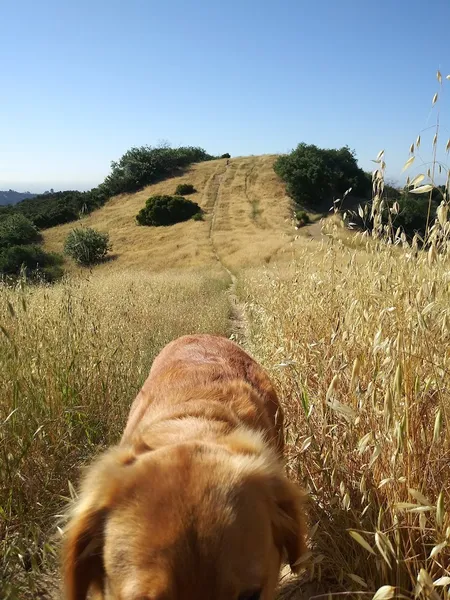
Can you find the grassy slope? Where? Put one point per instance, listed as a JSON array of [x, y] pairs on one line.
[[245, 205]]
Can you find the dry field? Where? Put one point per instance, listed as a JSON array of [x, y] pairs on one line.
[[247, 217], [355, 337]]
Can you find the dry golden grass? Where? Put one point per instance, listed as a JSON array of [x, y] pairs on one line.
[[358, 349], [153, 248], [253, 216], [73, 355], [247, 218], [72, 358]]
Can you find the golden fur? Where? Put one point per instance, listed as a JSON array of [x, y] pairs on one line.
[[193, 502]]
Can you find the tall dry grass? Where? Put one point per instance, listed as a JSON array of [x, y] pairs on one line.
[[72, 358], [356, 333], [358, 346]]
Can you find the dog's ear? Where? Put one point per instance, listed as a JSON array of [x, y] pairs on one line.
[[289, 519], [83, 555], [84, 535]]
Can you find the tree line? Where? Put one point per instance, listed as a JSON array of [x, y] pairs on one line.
[[20, 238], [316, 177], [137, 168]]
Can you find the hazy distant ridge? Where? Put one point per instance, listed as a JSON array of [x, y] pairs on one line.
[[12, 197]]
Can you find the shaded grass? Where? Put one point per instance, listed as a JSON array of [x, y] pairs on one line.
[[72, 358]]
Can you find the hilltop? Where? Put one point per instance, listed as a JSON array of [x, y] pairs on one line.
[[249, 208], [248, 220]]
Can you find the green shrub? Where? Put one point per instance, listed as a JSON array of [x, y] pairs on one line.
[[145, 165], [198, 216], [413, 211], [167, 210], [410, 214], [16, 229], [184, 189], [86, 245], [315, 176], [32, 258], [226, 155], [302, 217], [50, 209]]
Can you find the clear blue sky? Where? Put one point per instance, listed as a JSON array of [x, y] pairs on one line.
[[83, 81]]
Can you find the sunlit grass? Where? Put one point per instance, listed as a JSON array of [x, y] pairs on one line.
[[354, 331], [72, 358], [227, 195], [359, 351]]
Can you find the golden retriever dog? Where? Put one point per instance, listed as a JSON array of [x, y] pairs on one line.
[[193, 502]]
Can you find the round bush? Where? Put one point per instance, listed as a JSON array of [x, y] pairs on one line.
[[184, 189], [226, 155], [302, 217], [167, 210], [314, 176], [87, 246]]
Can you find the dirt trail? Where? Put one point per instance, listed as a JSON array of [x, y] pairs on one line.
[[233, 200], [238, 321], [314, 231]]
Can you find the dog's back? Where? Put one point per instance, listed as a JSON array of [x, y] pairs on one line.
[[212, 369], [194, 502]]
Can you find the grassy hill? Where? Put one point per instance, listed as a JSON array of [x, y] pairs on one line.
[[247, 221]]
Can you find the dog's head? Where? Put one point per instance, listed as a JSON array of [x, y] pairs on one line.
[[182, 522]]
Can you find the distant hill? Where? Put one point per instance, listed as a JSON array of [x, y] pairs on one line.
[[12, 197], [247, 220]]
